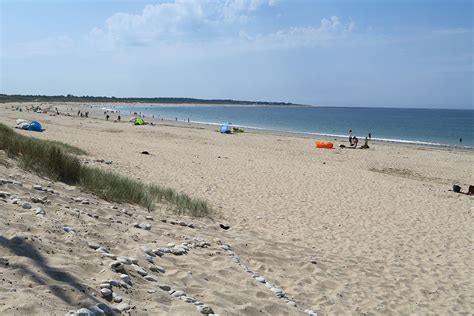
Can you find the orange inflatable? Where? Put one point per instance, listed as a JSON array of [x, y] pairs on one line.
[[323, 145]]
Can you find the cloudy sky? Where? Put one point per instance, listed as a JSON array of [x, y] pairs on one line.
[[391, 53]]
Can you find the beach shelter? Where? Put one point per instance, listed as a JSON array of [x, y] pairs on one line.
[[35, 126], [226, 128], [139, 121]]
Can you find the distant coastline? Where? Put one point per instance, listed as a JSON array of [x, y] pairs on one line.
[[4, 98]]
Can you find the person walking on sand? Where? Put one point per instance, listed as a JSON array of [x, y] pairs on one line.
[[87, 114]]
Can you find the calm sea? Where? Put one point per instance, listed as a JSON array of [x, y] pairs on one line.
[[421, 126]]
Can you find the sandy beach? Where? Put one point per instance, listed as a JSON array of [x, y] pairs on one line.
[[341, 231]]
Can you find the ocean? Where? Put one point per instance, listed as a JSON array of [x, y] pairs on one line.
[[435, 127]]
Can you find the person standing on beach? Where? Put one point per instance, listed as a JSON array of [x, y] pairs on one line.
[[118, 118], [350, 137], [370, 136], [107, 117]]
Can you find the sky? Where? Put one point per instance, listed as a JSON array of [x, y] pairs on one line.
[[374, 53]]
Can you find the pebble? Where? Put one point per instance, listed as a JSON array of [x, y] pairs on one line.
[[117, 298], [68, 229], [85, 202], [148, 251], [114, 283], [106, 292], [15, 201], [149, 258], [78, 199], [260, 279], [183, 223], [122, 307], [310, 312], [150, 278], [164, 287], [105, 308], [177, 294], [26, 205], [170, 245], [278, 292], [116, 265], [84, 312], [149, 218], [139, 270], [189, 299], [204, 309], [178, 251], [4, 194], [38, 187], [151, 291], [144, 226], [291, 303], [124, 260], [105, 286], [125, 278], [93, 245], [225, 247], [39, 211], [156, 268]]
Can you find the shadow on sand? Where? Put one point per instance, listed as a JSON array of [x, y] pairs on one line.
[[22, 248]]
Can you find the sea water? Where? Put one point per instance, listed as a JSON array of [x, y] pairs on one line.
[[438, 127]]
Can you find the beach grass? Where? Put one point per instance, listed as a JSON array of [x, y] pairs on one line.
[[57, 161]]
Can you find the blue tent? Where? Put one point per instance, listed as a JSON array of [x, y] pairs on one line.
[[35, 126], [226, 128]]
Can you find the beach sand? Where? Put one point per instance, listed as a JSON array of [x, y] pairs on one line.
[[341, 231]]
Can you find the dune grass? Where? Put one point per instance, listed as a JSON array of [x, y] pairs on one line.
[[57, 161]]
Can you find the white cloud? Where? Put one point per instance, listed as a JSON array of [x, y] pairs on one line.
[[172, 21], [329, 30]]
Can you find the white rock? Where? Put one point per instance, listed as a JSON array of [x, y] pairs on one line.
[[39, 211], [106, 292], [178, 294], [204, 309], [93, 245], [84, 312], [124, 277], [260, 279]]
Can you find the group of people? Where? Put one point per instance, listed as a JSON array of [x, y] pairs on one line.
[[85, 114], [353, 141]]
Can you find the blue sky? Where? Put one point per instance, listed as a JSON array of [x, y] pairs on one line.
[[389, 53]]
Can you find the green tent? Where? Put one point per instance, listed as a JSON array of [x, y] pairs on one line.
[[139, 121]]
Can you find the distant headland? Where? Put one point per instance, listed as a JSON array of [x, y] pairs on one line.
[[4, 98]]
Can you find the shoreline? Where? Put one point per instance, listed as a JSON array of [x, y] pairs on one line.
[[99, 108], [325, 136]]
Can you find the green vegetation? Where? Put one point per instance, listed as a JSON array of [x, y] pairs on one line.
[[56, 160], [72, 98]]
